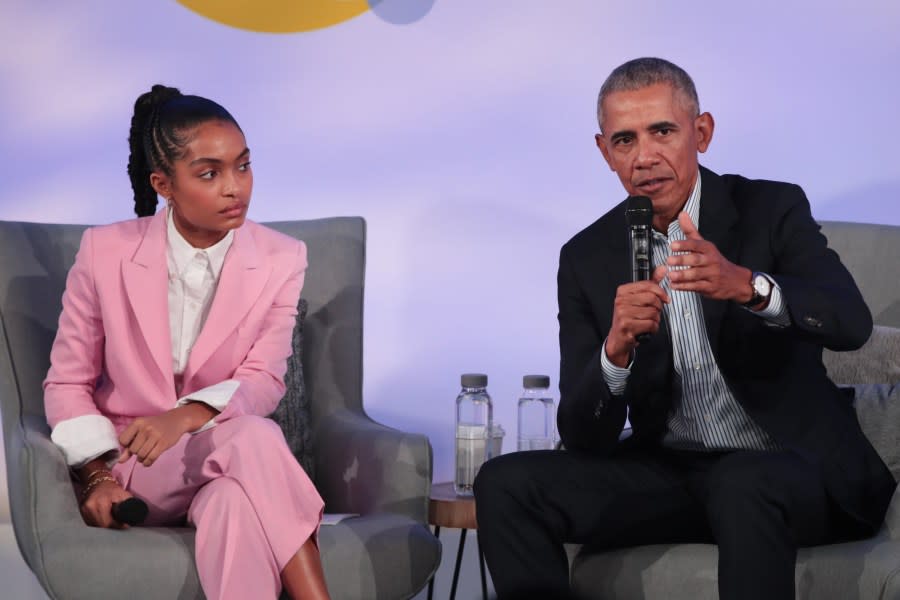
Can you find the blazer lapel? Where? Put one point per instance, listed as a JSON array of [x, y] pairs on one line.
[[240, 284], [146, 280], [718, 219]]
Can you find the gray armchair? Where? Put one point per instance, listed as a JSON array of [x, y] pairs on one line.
[[864, 570], [359, 466]]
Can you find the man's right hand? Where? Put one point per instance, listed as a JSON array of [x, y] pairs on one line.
[[96, 510], [637, 310]]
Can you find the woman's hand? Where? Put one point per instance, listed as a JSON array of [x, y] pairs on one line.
[[148, 437], [96, 510]]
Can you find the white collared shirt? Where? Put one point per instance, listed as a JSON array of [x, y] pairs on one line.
[[193, 278]]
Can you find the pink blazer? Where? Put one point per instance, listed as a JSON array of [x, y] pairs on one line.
[[112, 355]]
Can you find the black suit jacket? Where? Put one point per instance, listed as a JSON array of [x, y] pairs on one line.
[[775, 373]]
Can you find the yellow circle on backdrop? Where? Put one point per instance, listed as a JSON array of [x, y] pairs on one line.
[[278, 16]]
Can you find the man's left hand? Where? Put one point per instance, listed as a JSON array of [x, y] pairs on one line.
[[708, 272]]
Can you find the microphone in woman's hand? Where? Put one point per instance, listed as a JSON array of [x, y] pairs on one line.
[[132, 511]]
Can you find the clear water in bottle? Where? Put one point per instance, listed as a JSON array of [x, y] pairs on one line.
[[474, 422], [537, 414]]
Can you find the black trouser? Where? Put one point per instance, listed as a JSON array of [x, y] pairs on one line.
[[757, 506]]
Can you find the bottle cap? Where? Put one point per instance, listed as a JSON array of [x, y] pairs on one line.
[[535, 381], [473, 380]]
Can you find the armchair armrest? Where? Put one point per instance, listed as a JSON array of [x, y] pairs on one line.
[[42, 500], [365, 467]]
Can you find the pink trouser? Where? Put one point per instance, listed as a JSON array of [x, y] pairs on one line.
[[251, 502]]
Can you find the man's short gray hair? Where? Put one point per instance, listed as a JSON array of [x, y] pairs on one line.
[[642, 72]]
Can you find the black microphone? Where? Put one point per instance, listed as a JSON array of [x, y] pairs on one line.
[[131, 511], [639, 216]]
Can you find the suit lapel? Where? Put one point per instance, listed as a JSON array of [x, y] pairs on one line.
[[146, 280], [718, 220], [241, 282]]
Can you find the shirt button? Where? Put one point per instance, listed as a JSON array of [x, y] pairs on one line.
[[707, 417], [687, 314], [697, 366]]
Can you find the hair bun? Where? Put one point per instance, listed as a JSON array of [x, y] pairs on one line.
[[157, 96], [160, 94]]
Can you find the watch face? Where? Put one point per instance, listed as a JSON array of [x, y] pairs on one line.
[[762, 286]]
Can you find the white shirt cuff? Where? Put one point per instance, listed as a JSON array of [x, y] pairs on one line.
[[84, 438], [217, 396], [775, 313], [616, 377]]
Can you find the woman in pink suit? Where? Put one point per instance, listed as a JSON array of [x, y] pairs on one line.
[[172, 348]]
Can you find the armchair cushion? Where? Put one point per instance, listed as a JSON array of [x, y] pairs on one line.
[[878, 361], [860, 570], [878, 411], [360, 556], [293, 413]]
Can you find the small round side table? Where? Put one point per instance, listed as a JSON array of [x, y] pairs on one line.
[[446, 509]]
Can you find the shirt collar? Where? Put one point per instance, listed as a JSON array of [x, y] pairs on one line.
[[182, 252], [691, 207]]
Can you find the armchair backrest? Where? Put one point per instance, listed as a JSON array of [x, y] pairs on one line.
[[333, 329], [870, 252], [34, 261]]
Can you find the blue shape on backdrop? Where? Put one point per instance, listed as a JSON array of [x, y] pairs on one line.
[[401, 12]]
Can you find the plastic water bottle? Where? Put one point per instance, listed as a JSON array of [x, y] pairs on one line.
[[474, 422], [536, 414]]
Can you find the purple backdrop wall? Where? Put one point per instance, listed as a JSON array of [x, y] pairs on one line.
[[464, 138]]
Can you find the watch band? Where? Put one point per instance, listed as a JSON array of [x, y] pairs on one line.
[[755, 299]]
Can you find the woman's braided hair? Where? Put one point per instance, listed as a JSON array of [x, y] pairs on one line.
[[160, 128]]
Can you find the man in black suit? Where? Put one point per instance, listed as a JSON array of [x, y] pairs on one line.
[[739, 438]]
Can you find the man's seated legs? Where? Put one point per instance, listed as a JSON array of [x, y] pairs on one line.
[[757, 506]]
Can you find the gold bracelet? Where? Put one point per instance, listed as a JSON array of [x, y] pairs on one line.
[[87, 490], [95, 472]]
